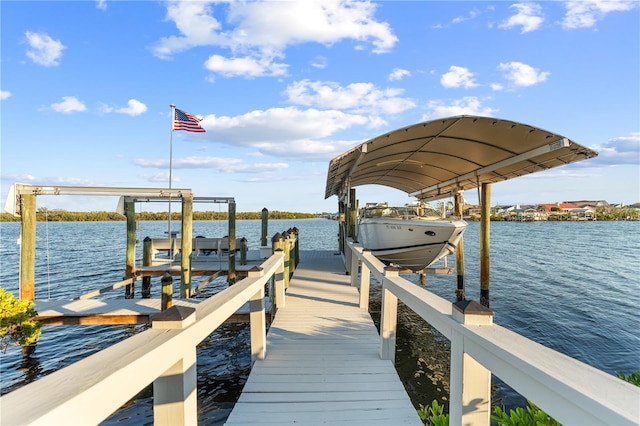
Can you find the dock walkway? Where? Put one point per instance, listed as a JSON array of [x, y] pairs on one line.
[[322, 363]]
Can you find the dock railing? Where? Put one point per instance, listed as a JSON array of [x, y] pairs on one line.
[[568, 390], [90, 390]]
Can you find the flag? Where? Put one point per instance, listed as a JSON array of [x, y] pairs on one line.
[[185, 121]]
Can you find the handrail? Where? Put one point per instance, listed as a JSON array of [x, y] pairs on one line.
[[90, 390], [568, 390]]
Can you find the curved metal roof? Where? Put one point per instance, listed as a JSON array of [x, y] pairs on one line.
[[437, 158]]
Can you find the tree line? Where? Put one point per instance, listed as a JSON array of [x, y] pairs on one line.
[[57, 215]]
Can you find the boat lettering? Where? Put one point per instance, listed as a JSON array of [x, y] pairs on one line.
[[394, 227]]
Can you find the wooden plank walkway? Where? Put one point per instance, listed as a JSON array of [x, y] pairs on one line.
[[323, 364]]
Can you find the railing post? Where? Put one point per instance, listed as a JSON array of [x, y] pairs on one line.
[[388, 318], [470, 381], [365, 278], [130, 213], [175, 393], [257, 321], [353, 268], [296, 246]]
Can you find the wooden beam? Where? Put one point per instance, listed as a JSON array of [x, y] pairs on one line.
[[28, 246]]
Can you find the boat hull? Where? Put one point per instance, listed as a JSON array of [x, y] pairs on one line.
[[412, 243]]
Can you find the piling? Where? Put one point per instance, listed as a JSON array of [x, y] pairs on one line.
[[353, 212], [28, 246], [265, 221], [243, 251], [231, 277], [278, 243], [146, 261], [166, 300], [287, 259], [485, 220], [130, 214], [186, 247], [296, 245], [458, 207]]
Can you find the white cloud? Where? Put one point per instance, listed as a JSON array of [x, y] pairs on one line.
[[247, 66], [458, 77], [586, 13], [398, 74], [469, 105], [620, 150], [43, 50], [497, 87], [528, 17], [101, 4], [522, 74], [257, 32], [4, 95], [220, 164], [357, 97], [68, 105], [319, 62], [134, 107]]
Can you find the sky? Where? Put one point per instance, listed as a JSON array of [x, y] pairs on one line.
[[282, 87]]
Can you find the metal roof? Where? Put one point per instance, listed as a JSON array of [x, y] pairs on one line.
[[436, 158]]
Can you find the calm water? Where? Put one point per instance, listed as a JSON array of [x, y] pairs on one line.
[[573, 287]]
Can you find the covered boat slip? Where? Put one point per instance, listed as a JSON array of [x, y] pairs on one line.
[[438, 158], [323, 364]]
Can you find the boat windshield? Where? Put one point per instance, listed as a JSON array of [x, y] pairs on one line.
[[409, 211]]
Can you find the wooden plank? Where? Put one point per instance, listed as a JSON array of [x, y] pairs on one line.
[[322, 364]]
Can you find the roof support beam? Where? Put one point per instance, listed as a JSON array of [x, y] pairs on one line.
[[545, 149]]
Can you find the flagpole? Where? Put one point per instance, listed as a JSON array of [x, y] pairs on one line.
[[173, 116]]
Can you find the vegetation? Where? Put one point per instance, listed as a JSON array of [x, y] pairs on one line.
[[56, 215], [521, 417], [17, 326], [433, 415]]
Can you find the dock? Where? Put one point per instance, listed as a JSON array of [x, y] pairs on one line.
[[323, 363]]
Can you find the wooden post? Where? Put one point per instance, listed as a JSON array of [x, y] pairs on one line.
[[130, 213], [365, 279], [243, 251], [231, 278], [458, 207], [146, 261], [485, 230], [278, 284], [296, 246], [166, 300], [186, 247], [353, 212], [285, 248], [341, 226], [470, 381], [277, 243], [388, 319], [292, 251], [175, 391], [28, 246], [257, 320], [265, 222]]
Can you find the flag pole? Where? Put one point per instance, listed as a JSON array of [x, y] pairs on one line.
[[173, 116]]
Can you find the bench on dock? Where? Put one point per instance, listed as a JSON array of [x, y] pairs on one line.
[[201, 246]]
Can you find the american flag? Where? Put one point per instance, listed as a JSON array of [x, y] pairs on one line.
[[185, 121]]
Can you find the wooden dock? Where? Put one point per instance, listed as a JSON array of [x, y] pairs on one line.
[[323, 362]]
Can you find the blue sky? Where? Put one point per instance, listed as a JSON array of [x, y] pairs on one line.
[[283, 87]]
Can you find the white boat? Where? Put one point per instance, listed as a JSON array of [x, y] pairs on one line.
[[414, 236]]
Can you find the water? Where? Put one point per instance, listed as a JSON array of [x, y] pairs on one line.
[[572, 286]]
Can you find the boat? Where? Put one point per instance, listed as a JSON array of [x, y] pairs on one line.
[[413, 236]]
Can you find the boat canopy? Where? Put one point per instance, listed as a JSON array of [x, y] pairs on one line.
[[436, 159]]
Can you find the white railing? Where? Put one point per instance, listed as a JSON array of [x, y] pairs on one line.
[[90, 390], [568, 390]]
